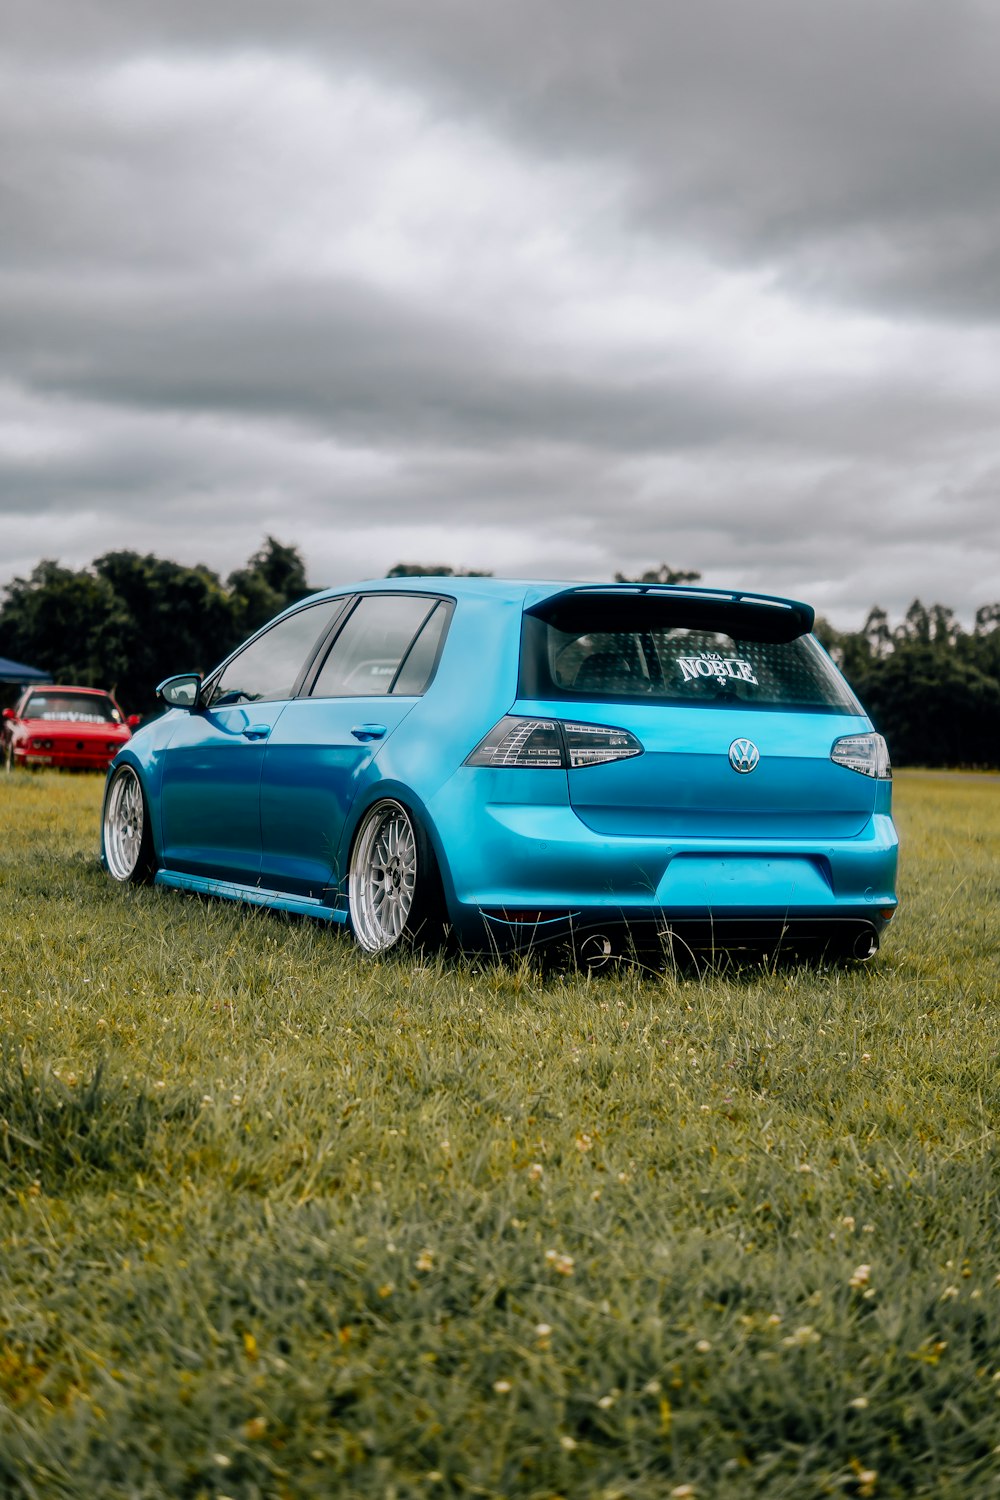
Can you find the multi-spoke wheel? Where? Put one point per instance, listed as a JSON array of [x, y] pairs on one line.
[[390, 879], [127, 845]]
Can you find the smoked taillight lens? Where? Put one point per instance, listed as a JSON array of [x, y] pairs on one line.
[[552, 744], [867, 754]]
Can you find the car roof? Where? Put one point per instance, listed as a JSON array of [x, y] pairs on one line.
[[531, 591], [68, 687]]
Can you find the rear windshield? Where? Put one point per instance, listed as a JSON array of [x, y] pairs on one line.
[[75, 708], [679, 664]]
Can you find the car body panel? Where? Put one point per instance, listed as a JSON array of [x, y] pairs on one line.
[[314, 762], [254, 895], [684, 785], [210, 790], [672, 833]]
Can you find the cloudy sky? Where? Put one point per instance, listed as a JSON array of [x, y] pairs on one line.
[[554, 288]]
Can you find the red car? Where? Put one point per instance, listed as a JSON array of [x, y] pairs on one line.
[[77, 728]]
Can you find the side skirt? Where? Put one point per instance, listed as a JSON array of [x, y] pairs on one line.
[[229, 890]]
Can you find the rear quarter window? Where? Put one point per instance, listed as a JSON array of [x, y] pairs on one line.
[[388, 644]]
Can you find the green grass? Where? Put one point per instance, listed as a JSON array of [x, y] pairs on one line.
[[277, 1220]]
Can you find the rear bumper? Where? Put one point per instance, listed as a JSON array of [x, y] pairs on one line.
[[617, 932], [515, 868]]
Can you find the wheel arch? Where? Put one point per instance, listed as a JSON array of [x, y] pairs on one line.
[[126, 756], [395, 791]]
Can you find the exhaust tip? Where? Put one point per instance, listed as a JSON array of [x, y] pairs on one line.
[[596, 951], [865, 946]]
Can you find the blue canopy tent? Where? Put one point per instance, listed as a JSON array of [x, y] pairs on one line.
[[16, 671]]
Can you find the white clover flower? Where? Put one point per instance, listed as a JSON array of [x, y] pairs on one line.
[[564, 1265]]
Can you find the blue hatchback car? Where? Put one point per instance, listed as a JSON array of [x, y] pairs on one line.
[[513, 762]]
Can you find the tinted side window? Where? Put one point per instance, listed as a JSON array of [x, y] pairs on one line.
[[414, 675], [365, 657], [268, 668]]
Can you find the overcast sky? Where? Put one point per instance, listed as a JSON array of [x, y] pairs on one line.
[[555, 289]]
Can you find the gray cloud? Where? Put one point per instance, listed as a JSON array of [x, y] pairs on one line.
[[557, 290], [853, 144]]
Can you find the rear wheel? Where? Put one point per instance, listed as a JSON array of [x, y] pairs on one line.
[[126, 839], [393, 887]]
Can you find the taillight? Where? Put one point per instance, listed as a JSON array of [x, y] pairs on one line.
[[552, 744], [594, 744], [866, 753]]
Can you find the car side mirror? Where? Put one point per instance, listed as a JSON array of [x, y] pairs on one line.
[[134, 720], [180, 692], [9, 713]]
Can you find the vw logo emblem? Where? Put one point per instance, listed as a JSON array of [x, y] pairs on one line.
[[743, 756]]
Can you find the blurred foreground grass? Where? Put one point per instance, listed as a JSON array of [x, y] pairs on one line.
[[280, 1221]]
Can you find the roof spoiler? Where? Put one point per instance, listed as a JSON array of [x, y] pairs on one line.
[[749, 617]]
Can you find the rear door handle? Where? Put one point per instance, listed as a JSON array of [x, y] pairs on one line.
[[368, 731], [256, 731]]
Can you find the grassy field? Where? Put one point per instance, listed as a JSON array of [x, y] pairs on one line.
[[279, 1221]]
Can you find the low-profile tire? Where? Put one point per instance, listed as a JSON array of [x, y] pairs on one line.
[[394, 894], [126, 842]]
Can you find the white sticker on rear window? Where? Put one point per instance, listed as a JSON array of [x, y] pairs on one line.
[[713, 664], [55, 717]]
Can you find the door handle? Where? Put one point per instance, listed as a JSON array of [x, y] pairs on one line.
[[368, 731], [256, 731]]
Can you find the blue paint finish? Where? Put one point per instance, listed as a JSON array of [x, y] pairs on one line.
[[228, 890], [260, 801], [210, 791], [313, 767]]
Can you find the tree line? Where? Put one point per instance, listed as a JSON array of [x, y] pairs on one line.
[[931, 687], [129, 620]]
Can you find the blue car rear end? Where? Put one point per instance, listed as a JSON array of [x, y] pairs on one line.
[[545, 760], [670, 835]]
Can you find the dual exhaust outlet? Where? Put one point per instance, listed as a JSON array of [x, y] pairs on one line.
[[596, 950]]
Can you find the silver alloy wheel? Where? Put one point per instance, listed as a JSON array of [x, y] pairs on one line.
[[124, 817], [383, 876]]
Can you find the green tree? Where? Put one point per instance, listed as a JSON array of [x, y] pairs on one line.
[[272, 579], [69, 623], [931, 688], [662, 574], [172, 618], [934, 708], [132, 619], [435, 570], [983, 646]]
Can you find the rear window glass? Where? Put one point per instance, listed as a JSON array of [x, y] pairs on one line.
[[74, 708], [698, 666]]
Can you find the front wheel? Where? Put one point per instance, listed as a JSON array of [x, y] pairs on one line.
[[126, 839], [392, 881]]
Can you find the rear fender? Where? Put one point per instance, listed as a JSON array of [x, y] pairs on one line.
[[415, 805]]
